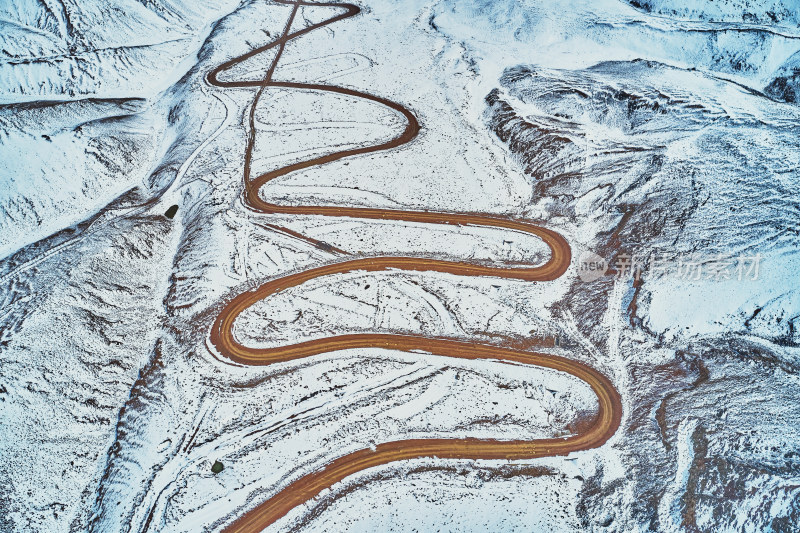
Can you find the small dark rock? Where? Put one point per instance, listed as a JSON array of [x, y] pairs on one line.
[[783, 88]]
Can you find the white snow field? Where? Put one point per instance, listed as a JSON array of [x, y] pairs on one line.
[[647, 130]]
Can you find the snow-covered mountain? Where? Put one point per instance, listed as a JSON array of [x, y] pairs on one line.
[[660, 138]]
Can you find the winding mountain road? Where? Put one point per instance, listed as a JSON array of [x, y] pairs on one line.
[[307, 487]]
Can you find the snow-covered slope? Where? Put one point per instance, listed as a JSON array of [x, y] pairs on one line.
[[772, 13], [691, 176], [62, 50], [660, 131]]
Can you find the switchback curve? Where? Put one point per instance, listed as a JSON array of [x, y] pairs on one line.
[[307, 487]]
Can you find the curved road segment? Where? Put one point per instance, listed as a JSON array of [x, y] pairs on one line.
[[307, 487]]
